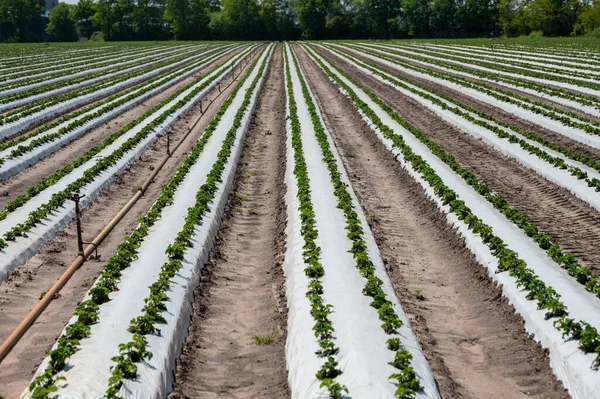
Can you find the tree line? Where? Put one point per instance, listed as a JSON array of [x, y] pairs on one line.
[[20, 20]]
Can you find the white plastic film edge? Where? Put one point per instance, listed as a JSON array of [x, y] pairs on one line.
[[570, 365], [364, 355], [18, 252], [13, 166], [154, 380]]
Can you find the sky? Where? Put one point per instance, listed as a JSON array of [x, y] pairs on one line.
[[69, 1]]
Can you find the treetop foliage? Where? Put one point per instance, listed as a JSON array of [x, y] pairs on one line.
[[21, 20]]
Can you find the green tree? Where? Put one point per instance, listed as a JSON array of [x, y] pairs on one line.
[[199, 19], [176, 14], [312, 17], [590, 17], [148, 17], [384, 17], [242, 18], [62, 25], [478, 17], [84, 13], [269, 17], [443, 15], [417, 17], [105, 17], [23, 15]]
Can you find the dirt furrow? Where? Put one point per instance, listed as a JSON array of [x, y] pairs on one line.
[[19, 183], [235, 348], [499, 113], [85, 104], [474, 342], [540, 98], [568, 220], [24, 286]]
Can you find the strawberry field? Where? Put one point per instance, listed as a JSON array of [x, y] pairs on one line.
[[332, 219]]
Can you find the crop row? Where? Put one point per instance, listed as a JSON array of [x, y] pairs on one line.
[[567, 118], [67, 62], [182, 224], [481, 125], [25, 94], [38, 85], [510, 65], [334, 243], [547, 78], [92, 171], [539, 54], [56, 57], [527, 283], [529, 59], [588, 99], [82, 67], [18, 120], [27, 149], [562, 122]]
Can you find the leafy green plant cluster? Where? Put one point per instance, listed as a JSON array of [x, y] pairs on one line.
[[557, 114], [127, 252], [566, 260], [549, 90], [57, 199], [314, 270], [155, 304], [105, 107], [36, 106], [520, 68], [80, 79], [80, 67], [508, 260], [407, 381]]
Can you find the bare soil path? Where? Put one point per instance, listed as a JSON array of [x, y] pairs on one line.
[[568, 220], [21, 291], [521, 93], [241, 297], [474, 342], [499, 113], [19, 183]]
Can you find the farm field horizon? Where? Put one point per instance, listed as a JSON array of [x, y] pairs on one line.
[[311, 219]]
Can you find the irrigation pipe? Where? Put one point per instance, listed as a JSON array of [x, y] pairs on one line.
[[35, 313]]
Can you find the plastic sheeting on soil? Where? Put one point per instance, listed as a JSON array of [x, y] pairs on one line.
[[570, 364], [89, 369], [560, 177], [23, 123], [16, 165], [363, 356], [19, 251], [550, 124]]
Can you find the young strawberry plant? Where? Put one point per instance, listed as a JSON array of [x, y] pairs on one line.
[[323, 328], [508, 260], [408, 385], [156, 303]]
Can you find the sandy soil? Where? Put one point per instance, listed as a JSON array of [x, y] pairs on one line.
[[242, 290], [23, 288], [96, 100], [476, 345], [516, 91], [574, 224], [502, 115], [19, 183]]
